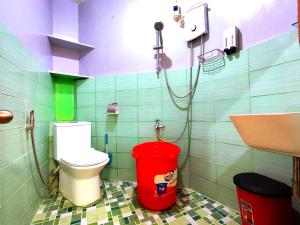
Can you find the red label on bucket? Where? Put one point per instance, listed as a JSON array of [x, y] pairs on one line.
[[163, 181], [247, 212]]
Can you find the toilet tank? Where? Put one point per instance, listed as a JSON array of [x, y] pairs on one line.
[[70, 137]]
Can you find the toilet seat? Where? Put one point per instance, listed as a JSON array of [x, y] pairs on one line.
[[85, 158]]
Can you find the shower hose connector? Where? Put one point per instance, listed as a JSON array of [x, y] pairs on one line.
[[158, 124]]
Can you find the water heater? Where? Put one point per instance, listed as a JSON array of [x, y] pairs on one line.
[[196, 21]]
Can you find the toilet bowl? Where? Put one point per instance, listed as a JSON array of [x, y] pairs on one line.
[[79, 176], [80, 165]]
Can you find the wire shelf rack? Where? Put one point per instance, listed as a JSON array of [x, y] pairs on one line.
[[212, 61]]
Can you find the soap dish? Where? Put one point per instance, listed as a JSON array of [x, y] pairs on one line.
[[112, 109]]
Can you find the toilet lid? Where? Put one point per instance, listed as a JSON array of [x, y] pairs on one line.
[[89, 157]]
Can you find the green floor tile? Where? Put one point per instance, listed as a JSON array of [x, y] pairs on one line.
[[124, 209]]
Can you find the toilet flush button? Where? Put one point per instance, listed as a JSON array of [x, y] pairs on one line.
[[194, 27]]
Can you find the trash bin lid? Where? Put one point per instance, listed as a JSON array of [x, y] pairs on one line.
[[155, 150], [261, 185]]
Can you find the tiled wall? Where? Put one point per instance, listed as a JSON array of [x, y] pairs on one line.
[[24, 85], [142, 98], [262, 79]]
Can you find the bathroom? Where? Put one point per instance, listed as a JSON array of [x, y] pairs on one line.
[[71, 60]]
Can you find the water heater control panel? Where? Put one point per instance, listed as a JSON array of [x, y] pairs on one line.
[[196, 21]]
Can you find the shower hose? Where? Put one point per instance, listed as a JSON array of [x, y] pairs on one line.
[[31, 128], [189, 95]]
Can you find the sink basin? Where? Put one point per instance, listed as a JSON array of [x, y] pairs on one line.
[[276, 132]]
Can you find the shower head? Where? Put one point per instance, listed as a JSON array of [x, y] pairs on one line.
[[158, 26]]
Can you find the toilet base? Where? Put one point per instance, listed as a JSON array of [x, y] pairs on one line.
[[80, 186]]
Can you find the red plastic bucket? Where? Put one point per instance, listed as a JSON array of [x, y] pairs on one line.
[[156, 171]]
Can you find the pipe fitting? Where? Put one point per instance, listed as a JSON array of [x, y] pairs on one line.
[[54, 171], [158, 124]]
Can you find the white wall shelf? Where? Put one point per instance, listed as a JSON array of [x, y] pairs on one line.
[[68, 43], [68, 75]]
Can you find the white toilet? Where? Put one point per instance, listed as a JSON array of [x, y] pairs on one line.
[[80, 164]]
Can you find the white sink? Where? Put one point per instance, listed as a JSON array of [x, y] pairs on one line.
[[277, 132]]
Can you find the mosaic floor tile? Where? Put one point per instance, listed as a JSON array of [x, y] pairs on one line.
[[120, 206]]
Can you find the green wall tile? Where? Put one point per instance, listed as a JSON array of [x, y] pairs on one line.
[[226, 173], [225, 88], [283, 48], [125, 144], [127, 174], [276, 103], [148, 80], [86, 85], [86, 113], [203, 111], [128, 113], [276, 79], [126, 82], [150, 96], [86, 99], [12, 79], [10, 184], [227, 197], [147, 130], [176, 78], [183, 144], [146, 139], [127, 129], [13, 50], [204, 186], [183, 180], [204, 169], [183, 164], [225, 108], [172, 113], [125, 161], [31, 88], [32, 197], [106, 127], [109, 173], [173, 129], [204, 91], [276, 166], [13, 212], [149, 113], [100, 144], [234, 156], [24, 86], [127, 97], [203, 130], [12, 145], [168, 98], [235, 64], [105, 83], [104, 98], [203, 149], [41, 134], [93, 141], [226, 133]]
